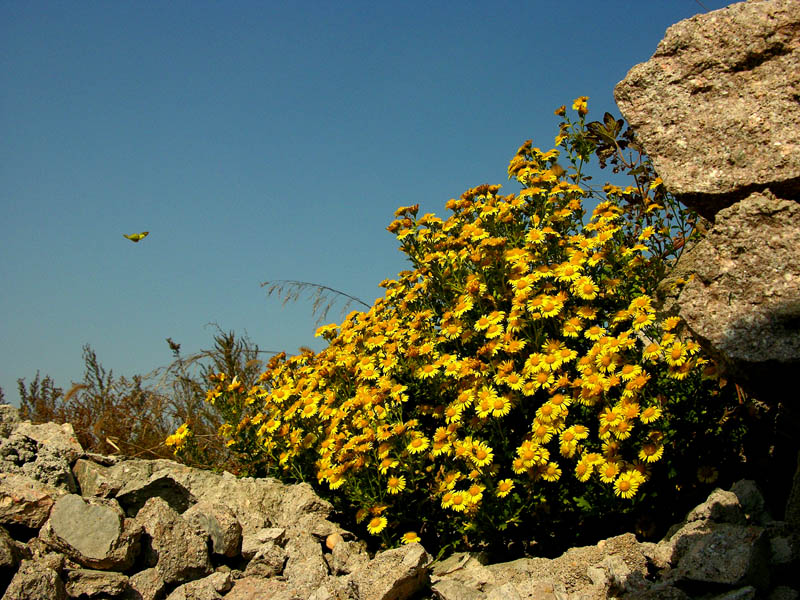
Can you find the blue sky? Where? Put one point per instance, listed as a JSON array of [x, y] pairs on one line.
[[259, 141]]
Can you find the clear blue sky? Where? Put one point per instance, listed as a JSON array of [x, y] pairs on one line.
[[259, 141]]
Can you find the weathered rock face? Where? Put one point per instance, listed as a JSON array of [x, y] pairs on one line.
[[248, 539], [717, 107], [743, 297]]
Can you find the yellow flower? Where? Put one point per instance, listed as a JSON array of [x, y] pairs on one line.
[[676, 355], [580, 105], [585, 288], [642, 320], [326, 330], [458, 501], [551, 472], [608, 471], [178, 438], [650, 414], [501, 406], [627, 484], [410, 537], [376, 525], [235, 385], [651, 452], [534, 236], [418, 444], [567, 272], [395, 484], [583, 470], [504, 487], [594, 333], [481, 454], [622, 429], [427, 371]]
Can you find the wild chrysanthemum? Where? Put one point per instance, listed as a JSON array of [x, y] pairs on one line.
[[608, 471], [395, 485], [551, 472], [418, 444], [651, 452], [504, 487], [583, 470], [650, 414], [627, 484], [482, 454], [376, 525], [410, 537]]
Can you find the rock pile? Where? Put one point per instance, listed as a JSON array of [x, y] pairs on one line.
[[84, 526]]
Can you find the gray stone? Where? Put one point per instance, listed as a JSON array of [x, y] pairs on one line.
[[724, 554], [25, 501], [9, 553], [745, 593], [659, 591], [251, 542], [301, 508], [35, 581], [451, 589], [269, 561], [720, 507], [9, 417], [539, 589], [346, 557], [93, 532], [94, 479], [614, 576], [463, 568], [15, 451], [305, 567], [743, 302], [60, 438], [52, 468], [716, 106], [751, 501], [171, 544], [255, 588], [219, 523], [393, 574], [159, 485], [147, 584], [87, 583], [10, 556], [208, 588]]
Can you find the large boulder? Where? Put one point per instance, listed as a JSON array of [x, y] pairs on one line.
[[716, 107], [742, 300], [25, 501], [171, 544], [93, 532]]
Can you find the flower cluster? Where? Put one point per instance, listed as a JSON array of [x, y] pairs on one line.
[[522, 349]]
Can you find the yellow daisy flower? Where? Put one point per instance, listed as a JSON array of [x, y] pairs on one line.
[[650, 414], [376, 525], [651, 452], [504, 487], [410, 537], [418, 444], [395, 485]]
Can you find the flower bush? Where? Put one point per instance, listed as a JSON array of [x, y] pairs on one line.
[[517, 385]]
